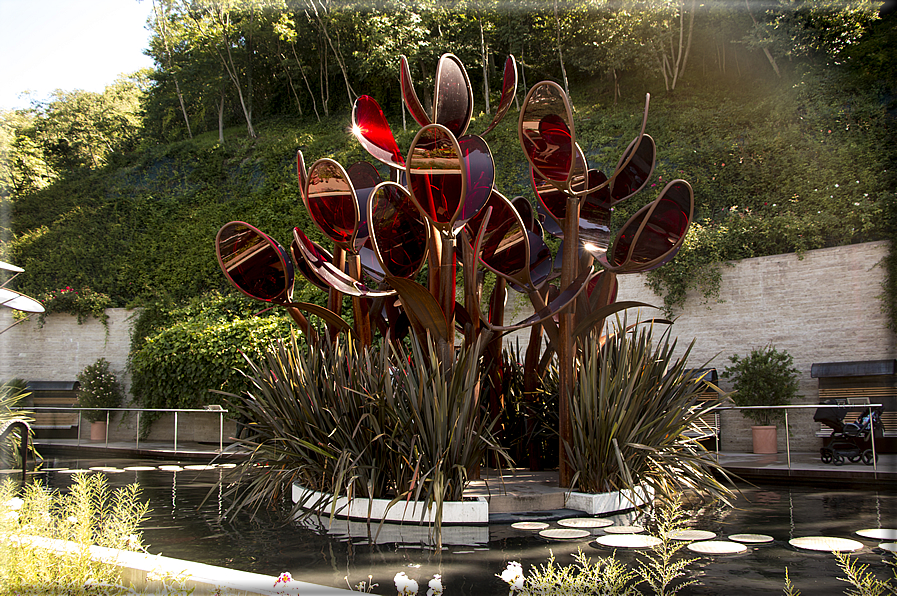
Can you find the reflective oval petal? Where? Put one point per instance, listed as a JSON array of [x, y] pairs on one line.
[[634, 170], [453, 98], [334, 277], [364, 177], [370, 127], [399, 233], [435, 175], [254, 263], [480, 172], [331, 202], [409, 96], [546, 132], [508, 93], [654, 234]]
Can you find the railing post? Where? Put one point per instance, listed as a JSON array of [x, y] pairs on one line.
[[107, 429], [220, 432], [787, 439], [137, 447], [175, 431], [78, 442]]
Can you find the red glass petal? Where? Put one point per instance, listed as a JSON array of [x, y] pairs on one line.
[[546, 131], [480, 171], [411, 101], [435, 175], [634, 175], [370, 127], [306, 270], [400, 234], [653, 235], [302, 174], [364, 177], [331, 202], [525, 210], [508, 93], [322, 267], [254, 262], [453, 99]]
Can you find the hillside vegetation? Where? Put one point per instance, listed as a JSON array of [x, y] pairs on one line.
[[123, 192]]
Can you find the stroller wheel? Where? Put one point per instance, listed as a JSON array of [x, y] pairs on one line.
[[825, 455], [867, 457], [855, 458], [838, 459]]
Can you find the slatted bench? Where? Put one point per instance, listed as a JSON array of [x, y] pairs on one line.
[[54, 394]]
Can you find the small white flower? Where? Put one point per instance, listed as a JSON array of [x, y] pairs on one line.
[[513, 576], [435, 586], [11, 516], [405, 585], [836, 186], [133, 541], [15, 503]]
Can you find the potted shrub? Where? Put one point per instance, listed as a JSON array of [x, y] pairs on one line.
[[765, 377], [98, 389]]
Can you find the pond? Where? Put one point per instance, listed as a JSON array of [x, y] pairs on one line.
[[179, 526]]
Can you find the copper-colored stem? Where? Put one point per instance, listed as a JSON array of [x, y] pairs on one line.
[[335, 299], [569, 271], [360, 306]]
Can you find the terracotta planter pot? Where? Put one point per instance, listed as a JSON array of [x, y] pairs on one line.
[[98, 431], [765, 440]]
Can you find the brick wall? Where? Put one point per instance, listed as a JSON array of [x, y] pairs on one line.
[[825, 307]]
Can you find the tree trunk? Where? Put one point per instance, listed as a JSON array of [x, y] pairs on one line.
[[177, 87], [557, 21], [221, 118], [485, 65], [772, 61]]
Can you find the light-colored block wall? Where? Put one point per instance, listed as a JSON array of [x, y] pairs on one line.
[[823, 307]]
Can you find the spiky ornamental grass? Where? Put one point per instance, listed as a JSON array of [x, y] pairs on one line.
[[376, 423], [633, 403]]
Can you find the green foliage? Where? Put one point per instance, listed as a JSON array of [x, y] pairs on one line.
[[604, 577], [82, 304], [181, 363], [89, 514], [863, 582], [764, 377], [13, 394], [99, 388], [661, 570], [632, 403]]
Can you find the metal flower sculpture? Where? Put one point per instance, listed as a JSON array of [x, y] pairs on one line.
[[439, 207]]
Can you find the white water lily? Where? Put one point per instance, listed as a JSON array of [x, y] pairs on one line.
[[405, 585], [435, 586], [513, 576]]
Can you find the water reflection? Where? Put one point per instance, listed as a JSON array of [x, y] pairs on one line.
[[324, 553]]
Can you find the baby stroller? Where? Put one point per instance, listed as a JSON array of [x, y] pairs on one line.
[[851, 441]]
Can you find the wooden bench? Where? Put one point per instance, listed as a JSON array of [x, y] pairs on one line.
[[54, 394]]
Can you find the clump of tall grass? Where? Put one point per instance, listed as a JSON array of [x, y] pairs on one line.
[[381, 422], [632, 406], [36, 524]]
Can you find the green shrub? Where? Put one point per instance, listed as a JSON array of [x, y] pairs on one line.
[[765, 377], [99, 388], [82, 304]]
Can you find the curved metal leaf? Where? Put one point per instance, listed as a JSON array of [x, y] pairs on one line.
[[420, 306]]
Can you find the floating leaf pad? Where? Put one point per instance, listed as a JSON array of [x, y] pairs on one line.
[[879, 533], [692, 535], [564, 534], [717, 547], [529, 526], [826, 543], [585, 522], [751, 538], [624, 529], [629, 541]]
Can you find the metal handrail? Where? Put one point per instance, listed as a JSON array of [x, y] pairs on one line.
[[804, 406], [218, 410]]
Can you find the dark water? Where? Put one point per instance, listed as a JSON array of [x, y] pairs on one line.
[[178, 527]]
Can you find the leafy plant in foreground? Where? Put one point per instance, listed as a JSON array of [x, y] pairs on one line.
[[89, 514]]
